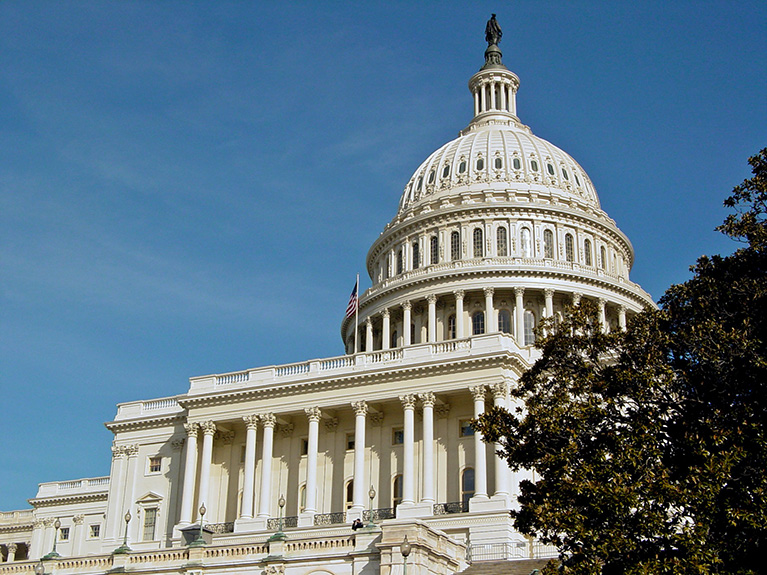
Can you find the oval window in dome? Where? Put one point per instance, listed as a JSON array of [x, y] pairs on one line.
[[550, 169], [517, 164], [480, 164], [420, 183], [446, 171], [564, 173], [431, 177], [534, 166], [498, 163], [577, 181], [462, 167]]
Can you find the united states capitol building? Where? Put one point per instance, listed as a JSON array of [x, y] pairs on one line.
[[263, 470]]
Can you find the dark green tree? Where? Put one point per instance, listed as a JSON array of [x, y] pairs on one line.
[[650, 445]]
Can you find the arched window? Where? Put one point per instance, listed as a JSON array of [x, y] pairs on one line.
[[517, 164], [399, 262], [412, 334], [534, 165], [550, 169], [529, 326], [450, 327], [302, 499], [526, 244], [467, 485], [587, 251], [498, 163], [446, 171], [603, 258], [569, 252], [396, 491], [349, 494], [480, 164], [431, 177], [455, 246], [394, 339], [416, 255], [478, 323], [548, 244], [501, 238], [504, 321], [564, 173], [462, 167], [385, 267], [434, 244], [478, 248], [420, 183]]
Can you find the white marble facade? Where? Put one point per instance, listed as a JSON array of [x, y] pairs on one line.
[[495, 230]]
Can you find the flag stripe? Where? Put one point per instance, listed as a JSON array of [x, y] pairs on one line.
[[353, 301]]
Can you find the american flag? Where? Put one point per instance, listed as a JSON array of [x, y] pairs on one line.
[[351, 309]]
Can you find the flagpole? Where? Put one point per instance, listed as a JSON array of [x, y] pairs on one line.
[[356, 315]]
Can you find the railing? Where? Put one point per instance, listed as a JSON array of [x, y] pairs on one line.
[[542, 550], [452, 507], [156, 404], [330, 518], [16, 515], [495, 551], [98, 481], [228, 378], [70, 484], [220, 528], [379, 514], [273, 524], [294, 369], [337, 363]]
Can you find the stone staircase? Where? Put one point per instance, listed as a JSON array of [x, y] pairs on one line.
[[521, 567]]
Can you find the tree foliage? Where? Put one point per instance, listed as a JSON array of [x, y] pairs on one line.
[[649, 446]]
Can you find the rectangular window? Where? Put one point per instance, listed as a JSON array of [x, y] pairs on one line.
[[95, 531], [64, 534], [349, 441], [465, 428], [397, 436], [155, 464], [150, 519], [304, 446]]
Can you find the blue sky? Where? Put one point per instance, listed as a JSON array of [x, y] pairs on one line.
[[190, 187]]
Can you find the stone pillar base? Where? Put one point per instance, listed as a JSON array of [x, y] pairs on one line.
[[246, 524], [487, 504], [415, 510], [354, 513], [306, 519]]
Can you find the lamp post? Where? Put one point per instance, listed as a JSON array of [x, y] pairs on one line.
[[39, 568], [53, 554], [279, 536], [124, 547], [200, 541], [371, 495], [404, 548]]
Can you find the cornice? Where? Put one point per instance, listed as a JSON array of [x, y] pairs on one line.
[[386, 373], [38, 502], [147, 422]]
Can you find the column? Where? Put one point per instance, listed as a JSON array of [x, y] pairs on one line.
[[386, 338], [476, 102], [208, 431], [602, 316], [406, 321], [519, 293], [577, 298], [314, 414], [268, 421], [249, 480], [432, 299], [480, 461], [190, 470], [459, 313], [11, 552], [132, 476], [501, 467], [115, 510], [483, 98], [408, 450], [492, 96], [503, 98], [360, 486], [427, 399], [622, 317], [77, 534], [368, 334], [548, 294], [489, 311], [36, 545]]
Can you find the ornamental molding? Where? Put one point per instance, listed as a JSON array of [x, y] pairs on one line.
[[208, 427], [251, 421], [313, 413], [178, 444], [408, 401], [360, 408], [68, 499], [268, 420], [442, 410], [376, 418], [286, 429], [427, 399], [331, 424], [478, 392]]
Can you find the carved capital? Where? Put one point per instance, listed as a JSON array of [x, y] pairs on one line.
[[131, 450], [268, 420], [489, 291], [227, 437], [287, 429], [376, 418], [251, 421], [427, 399], [191, 429], [498, 390], [38, 523], [313, 413], [117, 451], [432, 299], [331, 424], [208, 427], [478, 392], [177, 444], [548, 293], [49, 521], [442, 410], [385, 313], [274, 570], [406, 305], [368, 323], [601, 301], [11, 548], [78, 519], [360, 408], [577, 298], [622, 308], [519, 291], [408, 400], [459, 294]]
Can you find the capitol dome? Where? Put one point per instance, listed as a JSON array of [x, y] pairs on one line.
[[495, 230]]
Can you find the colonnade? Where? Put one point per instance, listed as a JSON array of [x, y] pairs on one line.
[[494, 94], [491, 316], [198, 485]]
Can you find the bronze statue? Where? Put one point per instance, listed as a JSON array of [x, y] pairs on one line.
[[493, 31]]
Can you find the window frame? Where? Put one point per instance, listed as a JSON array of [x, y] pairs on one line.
[[149, 464], [548, 244], [478, 243], [434, 250], [477, 323], [569, 247], [529, 333], [502, 242], [155, 513], [455, 245]]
